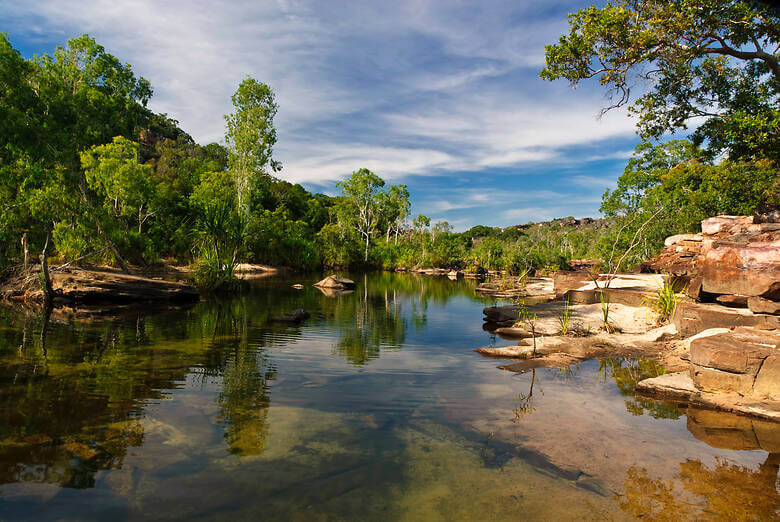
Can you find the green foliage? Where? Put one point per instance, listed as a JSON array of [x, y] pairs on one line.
[[605, 309], [712, 62], [665, 301], [222, 230], [565, 317], [666, 190], [250, 136]]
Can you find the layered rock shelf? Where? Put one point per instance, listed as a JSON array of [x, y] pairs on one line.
[[722, 340]]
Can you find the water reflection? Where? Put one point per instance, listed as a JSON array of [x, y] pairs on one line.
[[627, 372], [375, 406], [73, 394], [723, 491]]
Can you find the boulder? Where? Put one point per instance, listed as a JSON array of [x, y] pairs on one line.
[[716, 381], [742, 268], [720, 224], [744, 361], [741, 350], [336, 283], [736, 301], [760, 305]]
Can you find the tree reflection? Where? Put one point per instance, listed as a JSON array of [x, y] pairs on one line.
[[627, 372], [525, 400], [724, 492], [246, 373]]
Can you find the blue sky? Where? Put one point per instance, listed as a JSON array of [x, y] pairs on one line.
[[441, 95]]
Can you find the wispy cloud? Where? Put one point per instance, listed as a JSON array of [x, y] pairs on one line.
[[410, 89]]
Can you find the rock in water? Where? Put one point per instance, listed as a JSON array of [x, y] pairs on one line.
[[295, 317], [336, 283]]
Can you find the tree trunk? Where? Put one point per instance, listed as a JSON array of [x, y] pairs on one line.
[[48, 292], [117, 255], [25, 251], [119, 259], [365, 258]]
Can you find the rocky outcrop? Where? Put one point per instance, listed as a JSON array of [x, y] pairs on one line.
[[735, 361], [335, 282], [735, 370], [733, 256]]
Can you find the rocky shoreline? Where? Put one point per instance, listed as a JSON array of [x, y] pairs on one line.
[[721, 342]]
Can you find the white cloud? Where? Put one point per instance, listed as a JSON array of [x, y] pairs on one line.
[[403, 88]]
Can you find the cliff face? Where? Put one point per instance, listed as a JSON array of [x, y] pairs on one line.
[[734, 261]]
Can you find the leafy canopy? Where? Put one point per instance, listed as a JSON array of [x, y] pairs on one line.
[[712, 63]]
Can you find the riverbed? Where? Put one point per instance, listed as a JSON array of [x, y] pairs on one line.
[[375, 408]]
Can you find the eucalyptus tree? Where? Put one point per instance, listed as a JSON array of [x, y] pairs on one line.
[[250, 136], [361, 208], [395, 209], [714, 64]]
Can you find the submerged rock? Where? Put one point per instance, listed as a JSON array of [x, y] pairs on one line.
[[295, 317], [336, 282]]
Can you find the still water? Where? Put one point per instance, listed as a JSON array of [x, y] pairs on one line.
[[374, 409]]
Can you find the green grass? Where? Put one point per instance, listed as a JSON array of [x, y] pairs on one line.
[[665, 300]]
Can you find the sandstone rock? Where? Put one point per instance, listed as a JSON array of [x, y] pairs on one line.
[[767, 383], [738, 351], [737, 268], [737, 301], [584, 264], [692, 318], [673, 240], [706, 333], [717, 381], [336, 282], [669, 386], [564, 280], [760, 305], [715, 225]]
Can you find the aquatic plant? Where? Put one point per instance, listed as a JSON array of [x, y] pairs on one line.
[[565, 317]]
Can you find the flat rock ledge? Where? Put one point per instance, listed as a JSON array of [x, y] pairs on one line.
[[83, 287], [679, 387], [735, 370], [558, 350]]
